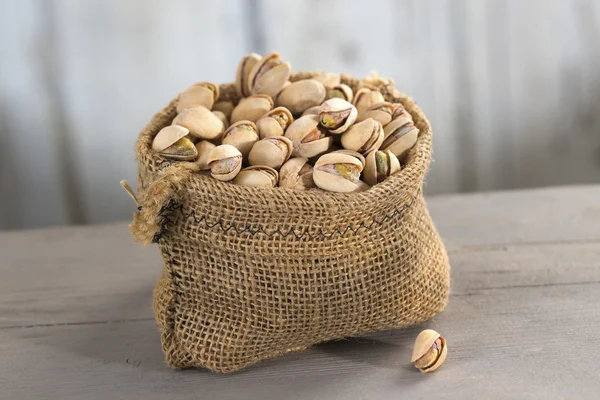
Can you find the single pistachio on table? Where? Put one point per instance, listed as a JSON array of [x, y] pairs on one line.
[[257, 176], [223, 118], [242, 76], [171, 142], [363, 136], [430, 351], [200, 94], [274, 123], [365, 98], [271, 151], [328, 79], [337, 115], [204, 148], [400, 136], [226, 107], [252, 108], [379, 166], [301, 95], [316, 110], [296, 173], [269, 75], [242, 135], [225, 162], [308, 137], [201, 122], [340, 91], [381, 112], [338, 172]]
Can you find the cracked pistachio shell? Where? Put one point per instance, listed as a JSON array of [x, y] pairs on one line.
[[226, 107], [225, 162], [337, 115], [399, 110], [316, 110], [430, 351], [301, 95], [257, 176], [200, 94], [308, 137], [223, 118], [353, 154], [400, 136], [272, 152], [204, 148], [379, 166], [340, 91], [381, 112], [181, 150], [201, 122], [328, 79], [269, 75], [252, 108], [274, 123], [338, 172], [365, 98], [242, 135], [167, 136], [363, 136], [243, 73], [296, 173]]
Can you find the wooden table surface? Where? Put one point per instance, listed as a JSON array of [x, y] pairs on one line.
[[523, 320]]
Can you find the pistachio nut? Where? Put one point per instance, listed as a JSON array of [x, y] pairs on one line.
[[337, 115], [379, 166], [269, 75], [328, 79], [204, 148], [353, 154], [400, 136], [225, 162], [340, 91], [338, 172], [226, 107], [308, 137], [171, 142], [300, 95], [200, 94], [223, 118], [271, 151], [381, 112], [296, 173], [201, 122], [316, 110], [399, 111], [252, 108], [430, 351], [363, 136], [365, 98], [274, 123], [243, 73], [257, 176], [242, 135]]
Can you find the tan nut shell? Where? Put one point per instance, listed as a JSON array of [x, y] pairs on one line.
[[200, 94], [257, 176], [301, 95], [272, 81], [345, 91], [370, 171], [336, 105], [201, 122], [221, 153], [223, 118], [242, 74], [363, 136], [226, 107], [423, 343], [241, 139], [269, 127], [204, 148], [168, 136], [316, 110], [268, 152], [252, 108], [401, 146], [353, 154], [328, 79], [301, 128], [335, 183], [365, 98], [381, 112], [290, 175]]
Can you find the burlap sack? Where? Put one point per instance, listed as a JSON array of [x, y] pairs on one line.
[[253, 273]]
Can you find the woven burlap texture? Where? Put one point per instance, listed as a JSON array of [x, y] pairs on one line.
[[254, 273]]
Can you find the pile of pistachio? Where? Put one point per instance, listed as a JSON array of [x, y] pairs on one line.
[[309, 133]]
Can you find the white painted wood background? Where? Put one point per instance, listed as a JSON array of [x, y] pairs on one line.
[[512, 87]]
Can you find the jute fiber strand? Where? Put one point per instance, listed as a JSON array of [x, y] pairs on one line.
[[254, 273]]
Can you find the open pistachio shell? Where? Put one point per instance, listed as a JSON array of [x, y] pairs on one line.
[[252, 108], [380, 112], [308, 137], [200, 94], [399, 110], [341, 91], [204, 148], [257, 176], [201, 122], [379, 166], [225, 162], [363, 136], [181, 150], [337, 115], [167, 136], [365, 98], [301, 95], [274, 123], [352, 153], [226, 107], [328, 79], [242, 135], [269, 75], [296, 173], [243, 73], [400, 136], [430, 351], [338, 172], [272, 151]]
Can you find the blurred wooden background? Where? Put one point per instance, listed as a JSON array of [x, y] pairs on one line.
[[512, 87]]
